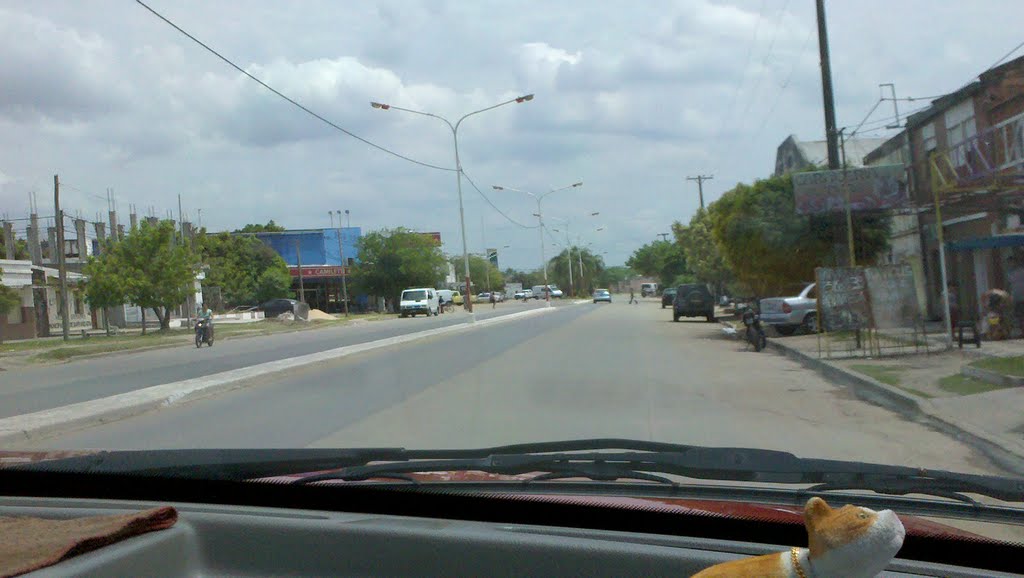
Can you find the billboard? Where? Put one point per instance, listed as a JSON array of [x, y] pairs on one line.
[[870, 189], [435, 236], [492, 256], [319, 271]]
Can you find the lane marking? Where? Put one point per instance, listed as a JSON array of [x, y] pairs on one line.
[[49, 422]]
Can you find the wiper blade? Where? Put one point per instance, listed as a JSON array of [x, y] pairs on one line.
[[724, 464]]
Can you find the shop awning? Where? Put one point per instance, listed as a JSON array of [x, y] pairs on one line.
[[993, 242]]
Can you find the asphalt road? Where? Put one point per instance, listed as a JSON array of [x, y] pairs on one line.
[[582, 371], [36, 388]]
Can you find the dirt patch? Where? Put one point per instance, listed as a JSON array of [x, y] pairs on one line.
[[318, 315], [918, 374]]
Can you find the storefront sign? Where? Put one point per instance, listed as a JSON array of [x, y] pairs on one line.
[[869, 189], [312, 272]]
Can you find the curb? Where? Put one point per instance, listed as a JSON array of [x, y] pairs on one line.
[[113, 408], [1007, 453]]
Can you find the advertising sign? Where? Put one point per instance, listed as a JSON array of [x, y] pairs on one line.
[[323, 271], [869, 188], [492, 256]]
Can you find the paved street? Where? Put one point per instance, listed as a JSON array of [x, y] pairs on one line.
[[37, 388], [584, 370]]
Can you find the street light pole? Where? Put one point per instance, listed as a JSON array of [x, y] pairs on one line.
[[341, 256], [540, 227], [468, 303]]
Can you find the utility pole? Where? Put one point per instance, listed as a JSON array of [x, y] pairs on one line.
[[61, 264], [700, 185], [341, 254], [826, 89], [298, 261], [664, 236]]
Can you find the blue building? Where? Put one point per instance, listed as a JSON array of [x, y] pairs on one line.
[[314, 259]]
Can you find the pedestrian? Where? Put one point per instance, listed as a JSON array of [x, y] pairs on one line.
[[1016, 279], [632, 299], [494, 301]]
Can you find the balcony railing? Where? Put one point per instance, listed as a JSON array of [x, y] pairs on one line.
[[990, 160]]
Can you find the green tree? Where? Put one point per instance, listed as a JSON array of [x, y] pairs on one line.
[[558, 270], [526, 278], [484, 275], [703, 257], [663, 260], [9, 300], [613, 276], [769, 247], [246, 270], [270, 227], [391, 260], [20, 248], [159, 272], [107, 282]]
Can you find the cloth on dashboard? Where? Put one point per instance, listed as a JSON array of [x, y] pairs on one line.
[[28, 544]]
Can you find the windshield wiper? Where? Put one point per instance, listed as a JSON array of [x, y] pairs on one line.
[[646, 460]]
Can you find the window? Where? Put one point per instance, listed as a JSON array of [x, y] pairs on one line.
[[960, 128], [928, 136]]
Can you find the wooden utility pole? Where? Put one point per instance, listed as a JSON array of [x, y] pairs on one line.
[[700, 185], [664, 236], [831, 136], [62, 267]]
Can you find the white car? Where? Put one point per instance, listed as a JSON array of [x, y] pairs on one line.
[[421, 301]]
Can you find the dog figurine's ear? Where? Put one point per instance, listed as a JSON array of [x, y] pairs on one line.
[[847, 542]]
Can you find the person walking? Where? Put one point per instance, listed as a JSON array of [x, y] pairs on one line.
[[632, 298], [494, 301]]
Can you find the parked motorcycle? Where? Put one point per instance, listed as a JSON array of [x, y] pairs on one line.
[[754, 333], [204, 333]]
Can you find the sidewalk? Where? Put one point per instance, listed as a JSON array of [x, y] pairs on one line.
[[931, 387]]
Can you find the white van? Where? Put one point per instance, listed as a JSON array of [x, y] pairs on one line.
[[418, 301]]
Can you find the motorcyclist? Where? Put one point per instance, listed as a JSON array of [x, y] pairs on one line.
[[207, 316]]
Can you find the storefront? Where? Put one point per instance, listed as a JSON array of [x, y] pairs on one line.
[[979, 264]]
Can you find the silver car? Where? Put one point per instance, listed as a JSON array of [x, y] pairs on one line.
[[787, 314]]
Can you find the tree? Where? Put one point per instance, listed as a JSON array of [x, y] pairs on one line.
[[20, 248], [703, 257], [9, 300], [526, 278], [270, 227], [593, 267], [391, 260], [159, 272], [246, 270], [613, 276], [483, 273], [663, 260], [770, 247], [107, 284]]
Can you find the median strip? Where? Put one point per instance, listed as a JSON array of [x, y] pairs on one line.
[[79, 415]]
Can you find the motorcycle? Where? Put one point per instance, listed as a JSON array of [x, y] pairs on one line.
[[204, 333], [754, 332]]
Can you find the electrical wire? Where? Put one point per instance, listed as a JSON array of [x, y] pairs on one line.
[[287, 98], [729, 111], [767, 57], [1005, 56], [495, 207]]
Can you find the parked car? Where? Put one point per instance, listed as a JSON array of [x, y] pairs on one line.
[[787, 314], [602, 295], [521, 294], [499, 296], [275, 307], [457, 298], [420, 301], [667, 297], [693, 300]]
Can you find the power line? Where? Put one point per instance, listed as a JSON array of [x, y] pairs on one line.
[[1005, 56], [495, 207], [767, 57], [729, 111], [290, 100]]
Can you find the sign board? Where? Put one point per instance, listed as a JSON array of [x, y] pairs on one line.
[[322, 271], [893, 296], [843, 298], [492, 256], [435, 236], [869, 188]]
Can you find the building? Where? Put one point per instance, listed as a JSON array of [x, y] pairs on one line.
[[795, 155], [39, 313], [314, 258], [967, 157]]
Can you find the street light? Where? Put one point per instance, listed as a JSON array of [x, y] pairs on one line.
[[458, 169], [568, 248], [341, 257], [540, 222]]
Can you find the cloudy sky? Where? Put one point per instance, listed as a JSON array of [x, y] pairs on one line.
[[631, 98]]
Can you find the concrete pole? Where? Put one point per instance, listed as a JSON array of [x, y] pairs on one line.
[[9, 239], [35, 251], [62, 266], [83, 242], [51, 233]]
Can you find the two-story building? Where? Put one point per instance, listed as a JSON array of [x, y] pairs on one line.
[[314, 258], [967, 159]]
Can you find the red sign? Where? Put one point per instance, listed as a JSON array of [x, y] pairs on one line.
[[311, 272], [435, 236]]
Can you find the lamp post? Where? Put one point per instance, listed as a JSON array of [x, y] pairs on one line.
[[568, 248], [540, 225], [341, 255], [458, 171]]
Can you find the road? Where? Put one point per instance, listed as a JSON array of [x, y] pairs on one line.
[[37, 388], [605, 370]]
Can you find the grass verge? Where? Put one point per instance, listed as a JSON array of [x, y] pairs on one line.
[[887, 374], [964, 385], [1005, 365]]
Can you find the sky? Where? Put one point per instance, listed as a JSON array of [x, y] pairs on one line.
[[631, 98]]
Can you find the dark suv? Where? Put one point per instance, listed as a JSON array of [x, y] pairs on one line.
[[693, 300]]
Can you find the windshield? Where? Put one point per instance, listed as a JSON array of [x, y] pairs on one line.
[[302, 169]]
